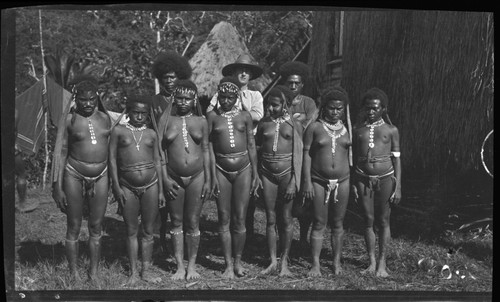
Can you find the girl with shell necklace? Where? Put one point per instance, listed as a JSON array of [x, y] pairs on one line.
[[234, 171], [377, 177], [134, 160], [326, 174], [186, 175]]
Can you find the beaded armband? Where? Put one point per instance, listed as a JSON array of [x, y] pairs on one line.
[[396, 154]]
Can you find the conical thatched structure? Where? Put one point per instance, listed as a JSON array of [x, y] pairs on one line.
[[222, 47], [437, 67]]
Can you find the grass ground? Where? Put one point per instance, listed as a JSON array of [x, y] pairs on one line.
[[425, 254]]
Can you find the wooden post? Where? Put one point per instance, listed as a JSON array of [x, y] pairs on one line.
[[44, 97]]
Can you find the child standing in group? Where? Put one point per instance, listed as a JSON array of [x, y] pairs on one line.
[[377, 174], [134, 162]]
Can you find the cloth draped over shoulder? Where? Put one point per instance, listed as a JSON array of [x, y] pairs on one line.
[[297, 152]]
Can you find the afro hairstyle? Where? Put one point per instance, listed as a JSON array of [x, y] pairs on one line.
[[376, 94], [294, 68], [171, 61], [279, 91], [334, 93]]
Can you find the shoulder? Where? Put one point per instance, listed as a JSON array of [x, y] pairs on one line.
[[392, 128], [313, 126], [246, 114], [118, 129]]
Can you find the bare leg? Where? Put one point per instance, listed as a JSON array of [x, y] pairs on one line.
[[130, 213], [224, 214], [285, 225], [193, 242], [132, 248], [176, 208], [72, 256], [368, 213], [240, 199], [147, 256], [319, 226], [383, 213], [337, 212], [178, 241], [97, 205], [270, 195], [193, 206], [149, 212]]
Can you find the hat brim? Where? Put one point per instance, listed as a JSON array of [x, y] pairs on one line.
[[229, 70]]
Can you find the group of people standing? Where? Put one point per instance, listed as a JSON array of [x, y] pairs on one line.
[[169, 158]]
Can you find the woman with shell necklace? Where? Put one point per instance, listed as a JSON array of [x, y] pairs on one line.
[[234, 171], [279, 139], [326, 174], [186, 175]]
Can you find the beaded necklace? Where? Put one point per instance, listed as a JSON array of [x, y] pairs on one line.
[[334, 131], [372, 127], [184, 130], [135, 129], [93, 139], [278, 121], [229, 117]]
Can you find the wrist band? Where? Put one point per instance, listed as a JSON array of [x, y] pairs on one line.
[[396, 154]]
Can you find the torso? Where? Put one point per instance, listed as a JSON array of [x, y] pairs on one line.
[[284, 146], [182, 162], [382, 141]]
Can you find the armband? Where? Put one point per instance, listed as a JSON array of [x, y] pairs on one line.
[[396, 154]]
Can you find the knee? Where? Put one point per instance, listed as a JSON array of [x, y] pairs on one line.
[[383, 222], [319, 224], [337, 224], [95, 229], [271, 218], [369, 220], [224, 218], [192, 226]]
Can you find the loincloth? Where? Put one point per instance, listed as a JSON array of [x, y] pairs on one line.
[[274, 158], [330, 185]]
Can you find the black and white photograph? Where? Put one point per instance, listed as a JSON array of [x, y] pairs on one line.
[[182, 152]]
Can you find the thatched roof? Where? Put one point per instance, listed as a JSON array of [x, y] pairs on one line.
[[437, 69], [222, 47]]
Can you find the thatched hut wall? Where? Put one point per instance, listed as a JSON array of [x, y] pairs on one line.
[[437, 69]]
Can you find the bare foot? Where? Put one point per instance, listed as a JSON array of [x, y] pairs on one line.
[[381, 272], [132, 280], [285, 272], [337, 269], [369, 270], [228, 273], [192, 274], [239, 270], [149, 277], [180, 274], [314, 272], [271, 268]]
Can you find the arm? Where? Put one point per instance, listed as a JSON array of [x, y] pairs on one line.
[[169, 186], [308, 189], [62, 140], [215, 183], [113, 167], [252, 152], [159, 172], [396, 162], [292, 186], [205, 192]]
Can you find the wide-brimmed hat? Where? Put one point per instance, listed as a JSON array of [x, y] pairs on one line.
[[243, 60]]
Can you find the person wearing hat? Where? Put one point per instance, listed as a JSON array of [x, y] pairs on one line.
[[294, 74], [252, 101]]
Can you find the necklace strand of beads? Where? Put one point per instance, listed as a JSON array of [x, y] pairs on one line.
[[135, 129], [229, 116], [93, 140], [334, 131], [185, 131], [378, 123], [278, 121]]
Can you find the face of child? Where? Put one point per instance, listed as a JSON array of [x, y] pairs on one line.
[[168, 81], [227, 100], [374, 110], [333, 111], [138, 114], [86, 102], [243, 75], [184, 102], [275, 106], [294, 82]]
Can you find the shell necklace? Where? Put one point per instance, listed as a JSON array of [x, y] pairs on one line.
[[93, 139], [278, 121], [229, 117], [135, 129], [334, 131], [378, 123], [185, 131]]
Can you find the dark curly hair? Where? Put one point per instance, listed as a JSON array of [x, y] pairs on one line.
[[170, 61], [334, 93], [139, 98], [279, 91], [84, 82], [376, 93], [294, 68]]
